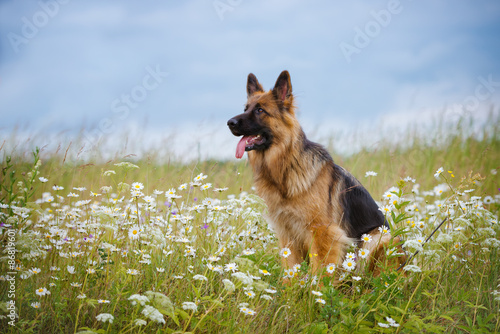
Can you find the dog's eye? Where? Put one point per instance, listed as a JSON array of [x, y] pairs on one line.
[[260, 110]]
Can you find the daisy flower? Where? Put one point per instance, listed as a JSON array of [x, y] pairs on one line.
[[206, 186], [438, 172], [250, 293], [190, 251], [35, 270], [245, 310], [366, 238], [370, 173], [383, 229], [170, 193], [231, 267], [183, 186], [350, 256], [103, 301], [200, 177], [389, 196], [221, 250], [386, 209], [132, 272], [439, 189], [363, 253], [320, 301], [148, 199], [285, 252], [35, 305], [137, 186], [42, 292], [420, 239], [43, 179], [133, 232], [248, 252], [136, 193], [316, 293], [349, 265], [489, 200], [331, 268], [264, 272], [289, 273]]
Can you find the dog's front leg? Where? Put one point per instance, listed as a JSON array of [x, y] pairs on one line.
[[327, 246]]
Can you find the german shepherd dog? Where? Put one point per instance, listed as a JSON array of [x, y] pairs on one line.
[[315, 206]]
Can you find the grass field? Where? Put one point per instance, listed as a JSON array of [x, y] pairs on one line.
[[146, 246]]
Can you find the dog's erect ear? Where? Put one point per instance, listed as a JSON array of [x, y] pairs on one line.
[[253, 85], [283, 87]]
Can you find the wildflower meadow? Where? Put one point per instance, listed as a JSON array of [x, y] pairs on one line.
[[144, 245]]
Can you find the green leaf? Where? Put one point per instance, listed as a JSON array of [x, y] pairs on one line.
[[400, 310], [196, 292], [446, 317], [183, 314]]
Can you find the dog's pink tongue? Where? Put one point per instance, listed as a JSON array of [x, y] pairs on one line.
[[240, 149]]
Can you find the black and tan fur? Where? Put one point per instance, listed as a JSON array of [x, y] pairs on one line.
[[315, 206]]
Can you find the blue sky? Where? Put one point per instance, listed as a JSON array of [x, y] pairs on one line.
[[102, 66]]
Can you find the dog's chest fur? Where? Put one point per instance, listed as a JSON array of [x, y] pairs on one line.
[[299, 193]]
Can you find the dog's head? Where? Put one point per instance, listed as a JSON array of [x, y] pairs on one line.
[[264, 113]]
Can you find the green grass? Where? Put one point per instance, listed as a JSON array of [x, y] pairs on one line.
[[455, 287]]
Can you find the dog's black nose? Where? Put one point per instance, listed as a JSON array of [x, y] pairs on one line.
[[232, 122]]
